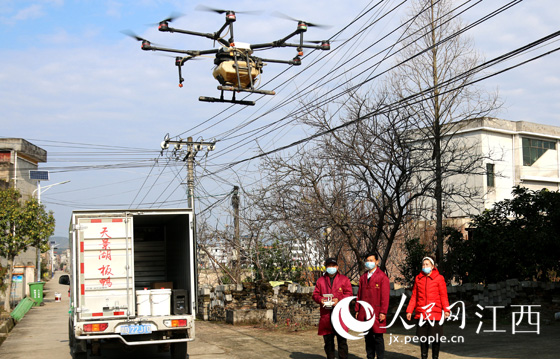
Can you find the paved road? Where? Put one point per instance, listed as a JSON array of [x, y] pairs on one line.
[[43, 333], [44, 330]]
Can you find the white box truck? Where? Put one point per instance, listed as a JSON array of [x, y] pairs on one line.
[[133, 279]]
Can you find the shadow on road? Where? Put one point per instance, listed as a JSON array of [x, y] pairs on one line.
[[388, 355], [393, 355], [300, 355]]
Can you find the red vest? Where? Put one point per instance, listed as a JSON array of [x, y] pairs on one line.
[[341, 288], [376, 293]]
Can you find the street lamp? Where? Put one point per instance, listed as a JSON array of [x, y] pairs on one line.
[[41, 175], [40, 189]]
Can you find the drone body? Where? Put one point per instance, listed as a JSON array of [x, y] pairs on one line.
[[237, 69]]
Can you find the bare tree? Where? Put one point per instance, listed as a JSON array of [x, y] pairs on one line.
[[435, 73], [357, 180], [307, 200]]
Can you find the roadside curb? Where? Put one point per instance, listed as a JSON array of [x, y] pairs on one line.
[[6, 327]]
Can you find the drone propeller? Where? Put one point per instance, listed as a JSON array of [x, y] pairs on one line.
[[179, 58], [221, 11], [310, 24], [133, 35], [146, 44], [172, 17]]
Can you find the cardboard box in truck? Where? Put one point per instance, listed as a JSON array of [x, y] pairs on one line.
[[116, 258]]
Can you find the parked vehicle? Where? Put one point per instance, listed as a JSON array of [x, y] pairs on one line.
[[133, 279]]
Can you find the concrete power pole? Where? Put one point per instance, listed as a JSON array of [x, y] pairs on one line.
[[189, 156], [190, 172], [237, 242]]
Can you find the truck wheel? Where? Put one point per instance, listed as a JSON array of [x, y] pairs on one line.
[[179, 350], [80, 355], [96, 348], [77, 347], [70, 334], [79, 350]]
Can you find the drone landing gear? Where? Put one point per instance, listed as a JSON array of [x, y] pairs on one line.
[[222, 99], [232, 88]]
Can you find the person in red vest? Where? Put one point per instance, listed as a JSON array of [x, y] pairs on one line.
[[374, 289], [339, 286], [429, 301]]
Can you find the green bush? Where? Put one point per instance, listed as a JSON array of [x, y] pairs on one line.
[[517, 238], [410, 267], [458, 257], [275, 264]]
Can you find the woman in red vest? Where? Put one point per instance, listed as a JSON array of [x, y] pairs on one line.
[[374, 289], [429, 301]]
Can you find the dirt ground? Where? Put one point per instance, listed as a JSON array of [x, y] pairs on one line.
[[257, 343]]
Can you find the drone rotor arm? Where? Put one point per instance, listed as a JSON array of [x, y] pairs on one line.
[[165, 49], [287, 62], [204, 52], [214, 36], [277, 43], [267, 45], [218, 33], [289, 36], [192, 53], [305, 46]]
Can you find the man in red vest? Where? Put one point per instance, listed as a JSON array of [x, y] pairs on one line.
[[339, 286], [374, 289]]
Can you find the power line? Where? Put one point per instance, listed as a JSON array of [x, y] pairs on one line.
[[406, 101]]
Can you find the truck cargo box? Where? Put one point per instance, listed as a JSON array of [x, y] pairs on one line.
[[133, 277]]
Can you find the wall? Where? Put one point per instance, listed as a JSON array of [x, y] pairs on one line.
[[288, 302], [500, 148], [293, 304]]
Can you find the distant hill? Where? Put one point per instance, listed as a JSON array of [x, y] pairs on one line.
[[61, 241]]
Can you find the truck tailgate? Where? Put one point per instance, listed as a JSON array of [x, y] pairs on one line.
[[105, 267]]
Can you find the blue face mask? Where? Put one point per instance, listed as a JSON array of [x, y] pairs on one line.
[[427, 270], [370, 265], [332, 270]]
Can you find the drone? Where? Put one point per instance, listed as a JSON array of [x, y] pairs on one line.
[[237, 69]]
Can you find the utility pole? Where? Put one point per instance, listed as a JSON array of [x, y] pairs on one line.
[[190, 172], [192, 150], [237, 243], [189, 156]]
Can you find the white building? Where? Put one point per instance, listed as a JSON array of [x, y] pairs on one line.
[[510, 153], [218, 253], [306, 253]]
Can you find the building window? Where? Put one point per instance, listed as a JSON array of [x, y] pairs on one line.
[[490, 175], [534, 149]]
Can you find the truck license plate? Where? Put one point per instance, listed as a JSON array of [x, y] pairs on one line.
[[136, 329]]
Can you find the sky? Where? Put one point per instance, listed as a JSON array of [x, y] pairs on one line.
[[72, 83]]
